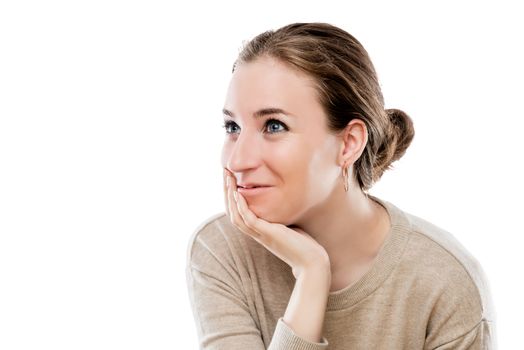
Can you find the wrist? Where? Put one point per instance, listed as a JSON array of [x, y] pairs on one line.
[[320, 274]]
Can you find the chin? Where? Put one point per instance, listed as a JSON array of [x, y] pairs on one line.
[[265, 214], [269, 213], [274, 218]]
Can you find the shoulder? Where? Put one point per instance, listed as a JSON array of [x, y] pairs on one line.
[[454, 284], [449, 270], [208, 237], [214, 242], [446, 246], [205, 230]]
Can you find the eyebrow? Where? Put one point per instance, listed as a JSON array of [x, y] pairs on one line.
[[261, 112]]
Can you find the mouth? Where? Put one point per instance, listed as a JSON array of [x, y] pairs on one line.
[[253, 190]]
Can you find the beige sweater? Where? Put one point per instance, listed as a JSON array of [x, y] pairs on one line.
[[424, 291]]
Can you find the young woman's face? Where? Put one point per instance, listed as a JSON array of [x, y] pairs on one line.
[[294, 155]]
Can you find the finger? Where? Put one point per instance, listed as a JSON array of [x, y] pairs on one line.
[[226, 201], [247, 215], [236, 217], [233, 211], [264, 232], [245, 212]]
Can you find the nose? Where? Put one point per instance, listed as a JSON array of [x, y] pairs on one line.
[[244, 153]]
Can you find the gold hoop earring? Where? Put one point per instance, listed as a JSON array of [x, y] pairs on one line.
[[345, 174]]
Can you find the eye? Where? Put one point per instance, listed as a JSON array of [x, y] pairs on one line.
[[271, 121], [227, 124]]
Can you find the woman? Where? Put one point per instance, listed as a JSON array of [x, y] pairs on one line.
[[304, 257]]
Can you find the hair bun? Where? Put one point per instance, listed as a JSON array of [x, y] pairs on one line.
[[402, 133]]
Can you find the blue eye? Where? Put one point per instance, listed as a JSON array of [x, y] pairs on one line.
[[227, 124], [272, 121]]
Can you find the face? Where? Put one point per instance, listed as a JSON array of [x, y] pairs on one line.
[[291, 151]]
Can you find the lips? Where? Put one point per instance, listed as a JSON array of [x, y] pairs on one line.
[[251, 186], [254, 191]]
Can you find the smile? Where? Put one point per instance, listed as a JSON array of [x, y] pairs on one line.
[[253, 191]]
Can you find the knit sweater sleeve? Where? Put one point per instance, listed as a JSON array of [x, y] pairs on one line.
[[221, 309], [463, 316], [285, 338], [479, 338], [224, 322], [222, 317]]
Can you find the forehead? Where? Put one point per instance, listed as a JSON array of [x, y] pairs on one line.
[[267, 82]]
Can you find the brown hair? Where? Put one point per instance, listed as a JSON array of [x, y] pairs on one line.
[[347, 85]]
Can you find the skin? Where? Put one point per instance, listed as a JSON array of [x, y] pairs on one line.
[[306, 308], [306, 214], [303, 164]]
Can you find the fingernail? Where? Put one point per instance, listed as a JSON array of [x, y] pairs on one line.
[[227, 180], [235, 194]]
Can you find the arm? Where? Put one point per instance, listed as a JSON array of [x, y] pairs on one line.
[[221, 315], [479, 338], [221, 310], [307, 305], [463, 316], [224, 321]]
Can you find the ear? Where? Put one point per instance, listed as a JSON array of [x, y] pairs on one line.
[[354, 138]]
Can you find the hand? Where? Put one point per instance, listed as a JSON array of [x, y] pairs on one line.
[[292, 245]]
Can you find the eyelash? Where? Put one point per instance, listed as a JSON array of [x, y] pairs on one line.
[[229, 123]]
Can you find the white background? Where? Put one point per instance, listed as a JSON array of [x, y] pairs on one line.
[[110, 140]]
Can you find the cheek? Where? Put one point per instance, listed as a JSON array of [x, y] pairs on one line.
[[294, 149]]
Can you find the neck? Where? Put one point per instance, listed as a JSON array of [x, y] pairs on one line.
[[350, 226]]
